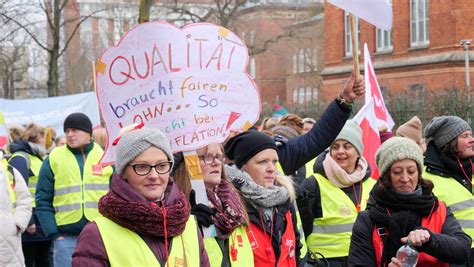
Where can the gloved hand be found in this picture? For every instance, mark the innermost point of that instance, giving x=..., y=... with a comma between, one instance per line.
x=202, y=212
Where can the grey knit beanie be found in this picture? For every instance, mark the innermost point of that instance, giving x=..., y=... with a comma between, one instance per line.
x=133, y=143
x=444, y=129
x=395, y=149
x=352, y=133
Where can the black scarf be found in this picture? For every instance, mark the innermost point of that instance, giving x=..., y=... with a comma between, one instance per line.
x=399, y=214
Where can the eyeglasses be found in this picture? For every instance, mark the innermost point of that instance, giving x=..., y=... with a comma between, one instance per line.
x=143, y=169
x=209, y=159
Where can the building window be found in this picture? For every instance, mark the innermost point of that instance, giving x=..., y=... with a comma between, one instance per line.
x=347, y=34
x=309, y=94
x=252, y=68
x=295, y=96
x=307, y=64
x=315, y=59
x=301, y=94
x=419, y=22
x=295, y=64
x=301, y=61
x=384, y=39
x=315, y=94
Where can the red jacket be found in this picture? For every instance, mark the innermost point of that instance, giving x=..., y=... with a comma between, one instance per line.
x=434, y=222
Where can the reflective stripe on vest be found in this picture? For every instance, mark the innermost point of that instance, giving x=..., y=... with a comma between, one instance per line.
x=243, y=255
x=434, y=222
x=263, y=253
x=457, y=198
x=35, y=166
x=331, y=234
x=75, y=196
x=133, y=251
x=10, y=182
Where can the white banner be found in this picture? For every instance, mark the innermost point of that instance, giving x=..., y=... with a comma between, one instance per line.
x=50, y=111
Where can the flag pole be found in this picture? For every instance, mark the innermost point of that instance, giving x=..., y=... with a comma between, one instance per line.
x=355, y=46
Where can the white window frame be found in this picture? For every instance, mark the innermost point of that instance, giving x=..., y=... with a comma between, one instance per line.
x=301, y=61
x=383, y=39
x=419, y=23
x=307, y=61
x=315, y=59
x=252, y=67
x=347, y=34
x=295, y=96
x=315, y=94
x=301, y=94
x=308, y=94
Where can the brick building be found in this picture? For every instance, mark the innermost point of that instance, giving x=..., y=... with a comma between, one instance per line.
x=421, y=54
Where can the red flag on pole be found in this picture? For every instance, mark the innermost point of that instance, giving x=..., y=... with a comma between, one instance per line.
x=372, y=115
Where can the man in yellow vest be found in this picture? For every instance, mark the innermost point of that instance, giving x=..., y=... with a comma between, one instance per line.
x=69, y=188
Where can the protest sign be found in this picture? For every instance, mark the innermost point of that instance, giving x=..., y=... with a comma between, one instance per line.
x=190, y=82
x=50, y=111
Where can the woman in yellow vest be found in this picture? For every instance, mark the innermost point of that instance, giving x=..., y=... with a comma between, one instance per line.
x=330, y=200
x=230, y=246
x=449, y=165
x=269, y=199
x=146, y=219
x=27, y=156
x=403, y=210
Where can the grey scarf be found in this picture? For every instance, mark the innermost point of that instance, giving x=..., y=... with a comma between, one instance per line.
x=257, y=195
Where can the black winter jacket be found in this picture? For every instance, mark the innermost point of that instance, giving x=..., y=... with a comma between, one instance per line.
x=452, y=245
x=299, y=150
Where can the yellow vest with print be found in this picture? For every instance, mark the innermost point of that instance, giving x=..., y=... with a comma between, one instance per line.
x=11, y=182
x=75, y=196
x=457, y=198
x=331, y=234
x=243, y=250
x=35, y=166
x=133, y=251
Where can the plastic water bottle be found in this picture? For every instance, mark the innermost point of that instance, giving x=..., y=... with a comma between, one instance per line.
x=407, y=255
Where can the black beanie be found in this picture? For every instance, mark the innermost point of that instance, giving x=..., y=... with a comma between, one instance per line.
x=241, y=148
x=78, y=121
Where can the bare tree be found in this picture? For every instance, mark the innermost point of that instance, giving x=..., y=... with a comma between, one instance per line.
x=13, y=66
x=58, y=39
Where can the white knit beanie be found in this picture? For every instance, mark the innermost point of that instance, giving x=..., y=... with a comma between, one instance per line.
x=395, y=149
x=352, y=133
x=133, y=143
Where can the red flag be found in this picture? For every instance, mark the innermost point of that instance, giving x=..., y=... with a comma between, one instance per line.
x=370, y=135
x=372, y=115
x=373, y=93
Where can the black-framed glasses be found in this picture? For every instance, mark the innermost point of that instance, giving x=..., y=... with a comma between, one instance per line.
x=143, y=169
x=209, y=159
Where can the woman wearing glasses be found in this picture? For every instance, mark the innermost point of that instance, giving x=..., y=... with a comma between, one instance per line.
x=230, y=246
x=146, y=219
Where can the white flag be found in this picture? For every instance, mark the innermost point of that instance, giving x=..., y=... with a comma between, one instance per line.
x=376, y=12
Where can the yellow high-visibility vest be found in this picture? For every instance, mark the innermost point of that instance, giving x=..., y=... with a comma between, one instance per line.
x=457, y=198
x=10, y=182
x=242, y=249
x=332, y=233
x=76, y=195
x=35, y=166
x=304, y=248
x=131, y=250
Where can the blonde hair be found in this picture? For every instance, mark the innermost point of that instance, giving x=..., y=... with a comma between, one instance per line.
x=100, y=136
x=33, y=133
